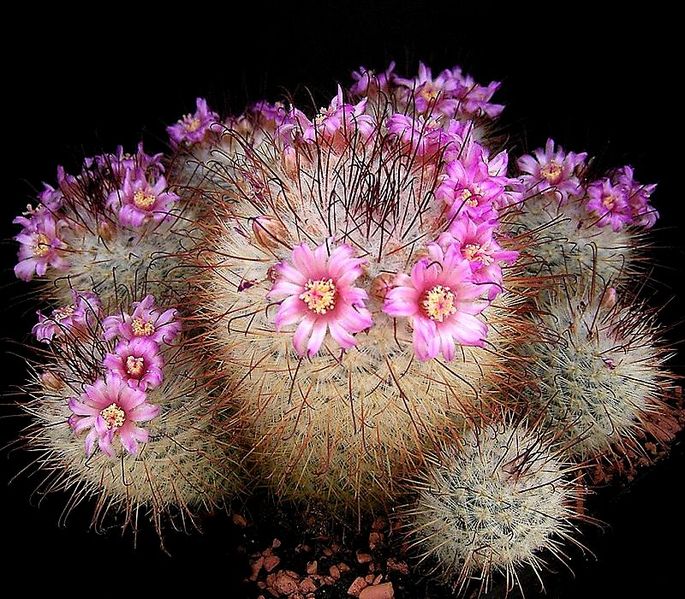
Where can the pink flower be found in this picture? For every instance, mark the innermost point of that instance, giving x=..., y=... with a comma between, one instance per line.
x=111, y=409
x=427, y=137
x=78, y=317
x=341, y=123
x=441, y=302
x=138, y=362
x=477, y=244
x=193, y=128
x=642, y=212
x=290, y=130
x=469, y=188
x=317, y=293
x=140, y=202
x=368, y=82
x=552, y=171
x=121, y=163
x=610, y=203
x=40, y=246
x=451, y=93
x=146, y=322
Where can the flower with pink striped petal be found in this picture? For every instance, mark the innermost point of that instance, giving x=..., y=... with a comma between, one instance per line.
x=638, y=195
x=137, y=362
x=111, y=409
x=41, y=246
x=145, y=322
x=76, y=318
x=477, y=244
x=609, y=203
x=193, y=128
x=139, y=202
x=318, y=293
x=551, y=170
x=441, y=302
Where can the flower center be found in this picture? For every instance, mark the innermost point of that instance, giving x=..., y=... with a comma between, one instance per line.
x=319, y=295
x=114, y=416
x=438, y=303
x=608, y=201
x=141, y=328
x=41, y=245
x=61, y=314
x=191, y=123
x=135, y=366
x=467, y=197
x=429, y=92
x=552, y=171
x=143, y=200
x=474, y=252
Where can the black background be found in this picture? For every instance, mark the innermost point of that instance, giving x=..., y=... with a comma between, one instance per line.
x=606, y=84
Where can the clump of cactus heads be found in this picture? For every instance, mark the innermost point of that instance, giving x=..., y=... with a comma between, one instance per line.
x=114, y=227
x=600, y=370
x=121, y=414
x=578, y=225
x=342, y=365
x=499, y=499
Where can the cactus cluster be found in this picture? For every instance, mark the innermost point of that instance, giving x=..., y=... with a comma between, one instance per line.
x=352, y=306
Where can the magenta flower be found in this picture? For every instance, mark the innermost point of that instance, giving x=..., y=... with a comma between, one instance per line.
x=609, y=203
x=138, y=362
x=140, y=202
x=290, y=130
x=427, y=137
x=477, y=244
x=638, y=195
x=552, y=171
x=451, y=93
x=76, y=318
x=121, y=163
x=340, y=123
x=146, y=322
x=441, y=302
x=41, y=246
x=368, y=82
x=111, y=409
x=317, y=293
x=193, y=128
x=469, y=188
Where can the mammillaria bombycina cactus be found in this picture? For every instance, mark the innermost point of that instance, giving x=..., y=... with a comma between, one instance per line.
x=332, y=303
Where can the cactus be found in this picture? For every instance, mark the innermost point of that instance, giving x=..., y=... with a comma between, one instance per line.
x=499, y=499
x=155, y=445
x=600, y=370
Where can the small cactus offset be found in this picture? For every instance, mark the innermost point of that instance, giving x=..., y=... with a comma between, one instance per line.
x=379, y=306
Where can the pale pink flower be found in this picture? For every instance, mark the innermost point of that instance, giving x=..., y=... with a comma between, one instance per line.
x=145, y=322
x=78, y=317
x=111, y=409
x=441, y=302
x=609, y=203
x=139, y=202
x=193, y=128
x=318, y=293
x=138, y=362
x=41, y=246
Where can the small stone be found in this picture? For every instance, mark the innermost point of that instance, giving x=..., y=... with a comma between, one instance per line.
x=239, y=520
x=357, y=586
x=379, y=523
x=302, y=548
x=378, y=579
x=284, y=582
x=267, y=552
x=276, y=543
x=381, y=591
x=343, y=567
x=334, y=571
x=363, y=558
x=335, y=548
x=312, y=567
x=308, y=586
x=255, y=567
x=261, y=584
x=375, y=539
x=369, y=578
x=271, y=562
x=398, y=566
x=327, y=551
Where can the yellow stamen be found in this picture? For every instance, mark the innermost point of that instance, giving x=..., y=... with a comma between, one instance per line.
x=135, y=366
x=191, y=123
x=61, y=313
x=438, y=303
x=113, y=416
x=467, y=197
x=319, y=295
x=143, y=200
x=608, y=201
x=552, y=171
x=474, y=251
x=141, y=328
x=429, y=93
x=41, y=246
